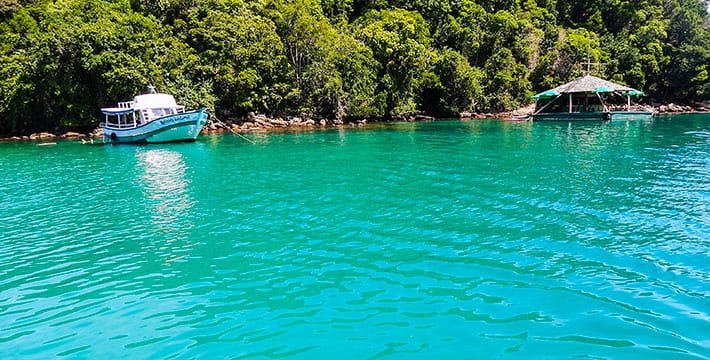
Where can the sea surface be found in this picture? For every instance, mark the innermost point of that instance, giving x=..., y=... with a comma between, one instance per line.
x=437, y=240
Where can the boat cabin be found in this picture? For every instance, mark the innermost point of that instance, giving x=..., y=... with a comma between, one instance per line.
x=142, y=110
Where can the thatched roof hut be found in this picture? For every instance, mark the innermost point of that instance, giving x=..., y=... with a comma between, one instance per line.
x=589, y=84
x=585, y=95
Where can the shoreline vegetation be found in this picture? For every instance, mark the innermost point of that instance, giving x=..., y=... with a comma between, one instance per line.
x=342, y=61
x=262, y=123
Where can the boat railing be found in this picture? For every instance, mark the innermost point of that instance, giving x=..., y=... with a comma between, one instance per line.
x=125, y=104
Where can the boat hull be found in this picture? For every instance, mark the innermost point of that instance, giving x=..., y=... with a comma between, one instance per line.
x=172, y=128
x=594, y=116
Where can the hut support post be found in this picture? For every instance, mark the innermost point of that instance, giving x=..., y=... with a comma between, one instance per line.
x=570, y=102
x=601, y=100
x=628, y=102
x=546, y=105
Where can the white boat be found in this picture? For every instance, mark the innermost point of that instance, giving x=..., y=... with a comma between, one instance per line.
x=151, y=118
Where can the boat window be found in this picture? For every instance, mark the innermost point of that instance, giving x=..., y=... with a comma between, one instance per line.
x=154, y=113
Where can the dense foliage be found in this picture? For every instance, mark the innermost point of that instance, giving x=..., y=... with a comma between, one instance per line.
x=61, y=60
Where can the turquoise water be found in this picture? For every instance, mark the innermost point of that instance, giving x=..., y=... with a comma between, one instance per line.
x=475, y=239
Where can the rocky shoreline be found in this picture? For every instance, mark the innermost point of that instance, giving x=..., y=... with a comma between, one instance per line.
x=254, y=122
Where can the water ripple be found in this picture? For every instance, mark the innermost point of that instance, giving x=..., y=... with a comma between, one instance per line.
x=459, y=239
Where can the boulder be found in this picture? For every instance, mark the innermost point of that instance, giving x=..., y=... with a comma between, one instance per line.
x=261, y=119
x=279, y=122
x=71, y=134
x=674, y=108
x=424, y=118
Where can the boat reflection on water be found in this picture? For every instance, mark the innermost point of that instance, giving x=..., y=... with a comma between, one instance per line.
x=165, y=185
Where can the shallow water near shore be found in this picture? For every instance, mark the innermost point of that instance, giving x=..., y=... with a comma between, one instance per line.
x=460, y=239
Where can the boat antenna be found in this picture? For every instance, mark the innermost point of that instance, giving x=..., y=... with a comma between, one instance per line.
x=151, y=89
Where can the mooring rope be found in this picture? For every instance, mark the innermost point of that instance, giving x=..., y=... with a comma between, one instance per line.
x=230, y=129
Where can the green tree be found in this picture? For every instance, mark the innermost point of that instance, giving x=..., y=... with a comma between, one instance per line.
x=62, y=60
x=243, y=56
x=506, y=85
x=689, y=51
x=455, y=88
x=399, y=40
x=333, y=74
x=17, y=63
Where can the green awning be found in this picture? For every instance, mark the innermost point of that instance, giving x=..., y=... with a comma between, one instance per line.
x=633, y=93
x=545, y=95
x=603, y=89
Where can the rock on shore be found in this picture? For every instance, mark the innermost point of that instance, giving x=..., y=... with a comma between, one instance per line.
x=260, y=122
x=675, y=108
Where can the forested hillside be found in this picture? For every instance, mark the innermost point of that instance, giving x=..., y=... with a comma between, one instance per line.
x=60, y=61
